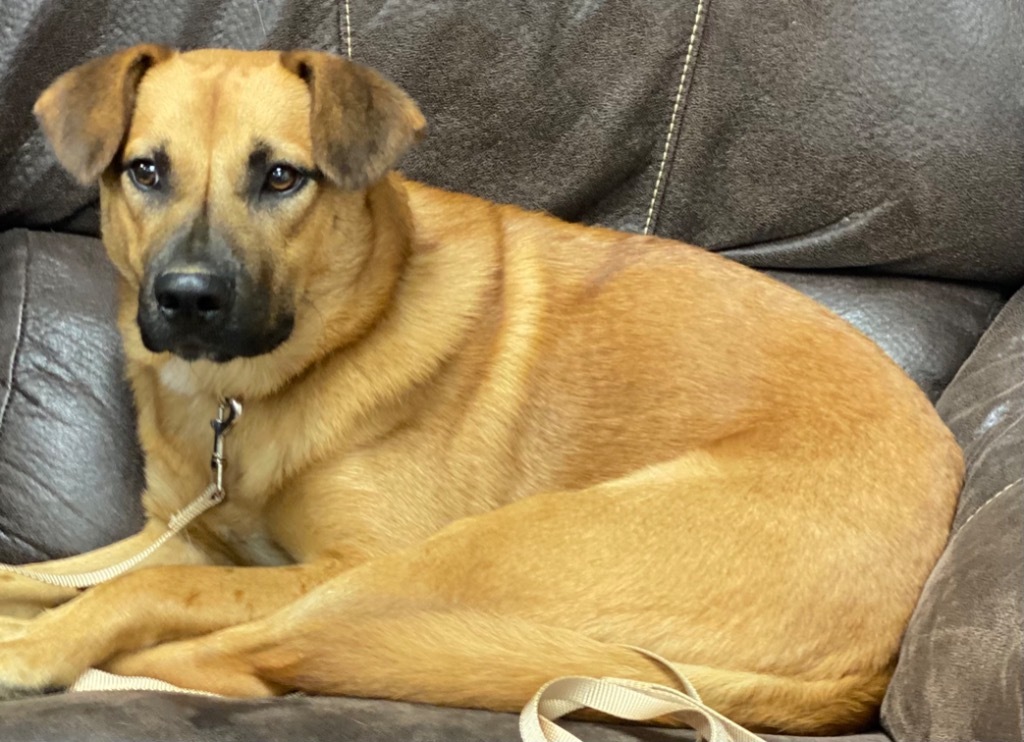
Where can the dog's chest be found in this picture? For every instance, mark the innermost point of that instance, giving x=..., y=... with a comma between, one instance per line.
x=248, y=542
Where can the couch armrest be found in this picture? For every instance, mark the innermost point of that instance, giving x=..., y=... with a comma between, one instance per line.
x=70, y=465
x=960, y=671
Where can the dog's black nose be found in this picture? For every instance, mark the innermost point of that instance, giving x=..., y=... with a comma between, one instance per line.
x=188, y=296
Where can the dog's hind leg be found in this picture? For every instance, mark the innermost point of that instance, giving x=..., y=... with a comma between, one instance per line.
x=470, y=659
x=494, y=606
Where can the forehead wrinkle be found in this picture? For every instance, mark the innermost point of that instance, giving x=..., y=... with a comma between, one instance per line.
x=216, y=94
x=231, y=127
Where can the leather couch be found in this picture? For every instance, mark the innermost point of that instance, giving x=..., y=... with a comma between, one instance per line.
x=870, y=154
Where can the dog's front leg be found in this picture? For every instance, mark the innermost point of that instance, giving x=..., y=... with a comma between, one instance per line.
x=142, y=609
x=24, y=597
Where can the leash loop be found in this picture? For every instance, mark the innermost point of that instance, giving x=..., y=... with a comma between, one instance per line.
x=626, y=699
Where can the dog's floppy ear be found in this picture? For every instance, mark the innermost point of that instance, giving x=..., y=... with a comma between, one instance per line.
x=85, y=112
x=361, y=123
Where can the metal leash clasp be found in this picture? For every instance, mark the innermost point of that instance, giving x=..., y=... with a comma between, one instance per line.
x=228, y=413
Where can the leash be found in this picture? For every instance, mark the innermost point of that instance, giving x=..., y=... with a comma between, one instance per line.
x=228, y=412
x=626, y=699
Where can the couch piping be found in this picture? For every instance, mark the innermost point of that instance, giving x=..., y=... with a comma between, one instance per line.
x=17, y=342
x=985, y=504
x=676, y=108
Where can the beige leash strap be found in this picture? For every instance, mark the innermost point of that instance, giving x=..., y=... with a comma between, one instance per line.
x=99, y=680
x=228, y=413
x=210, y=497
x=625, y=699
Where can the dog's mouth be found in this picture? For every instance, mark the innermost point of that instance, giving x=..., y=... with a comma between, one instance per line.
x=195, y=352
x=216, y=343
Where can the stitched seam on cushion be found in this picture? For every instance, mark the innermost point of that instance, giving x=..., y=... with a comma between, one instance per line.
x=348, y=29
x=985, y=504
x=676, y=108
x=19, y=331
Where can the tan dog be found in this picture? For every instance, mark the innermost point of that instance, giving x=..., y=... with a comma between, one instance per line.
x=481, y=447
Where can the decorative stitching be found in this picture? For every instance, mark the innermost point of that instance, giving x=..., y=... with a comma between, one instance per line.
x=348, y=30
x=17, y=343
x=691, y=47
x=259, y=14
x=988, y=502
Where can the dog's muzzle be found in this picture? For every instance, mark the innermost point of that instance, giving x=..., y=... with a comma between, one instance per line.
x=197, y=311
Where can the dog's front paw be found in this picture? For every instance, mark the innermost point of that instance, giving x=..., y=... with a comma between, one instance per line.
x=26, y=669
x=13, y=693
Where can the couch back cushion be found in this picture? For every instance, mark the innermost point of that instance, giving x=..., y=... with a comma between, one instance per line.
x=879, y=134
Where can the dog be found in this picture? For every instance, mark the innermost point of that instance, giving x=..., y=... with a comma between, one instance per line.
x=481, y=448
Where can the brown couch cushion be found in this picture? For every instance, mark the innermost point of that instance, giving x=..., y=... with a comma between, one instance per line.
x=160, y=717
x=872, y=134
x=960, y=672
x=70, y=467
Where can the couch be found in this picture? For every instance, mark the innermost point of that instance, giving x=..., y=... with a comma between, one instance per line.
x=870, y=154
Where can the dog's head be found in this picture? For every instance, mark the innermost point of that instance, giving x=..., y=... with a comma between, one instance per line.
x=233, y=185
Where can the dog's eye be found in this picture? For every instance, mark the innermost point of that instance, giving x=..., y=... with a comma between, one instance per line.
x=283, y=179
x=144, y=174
